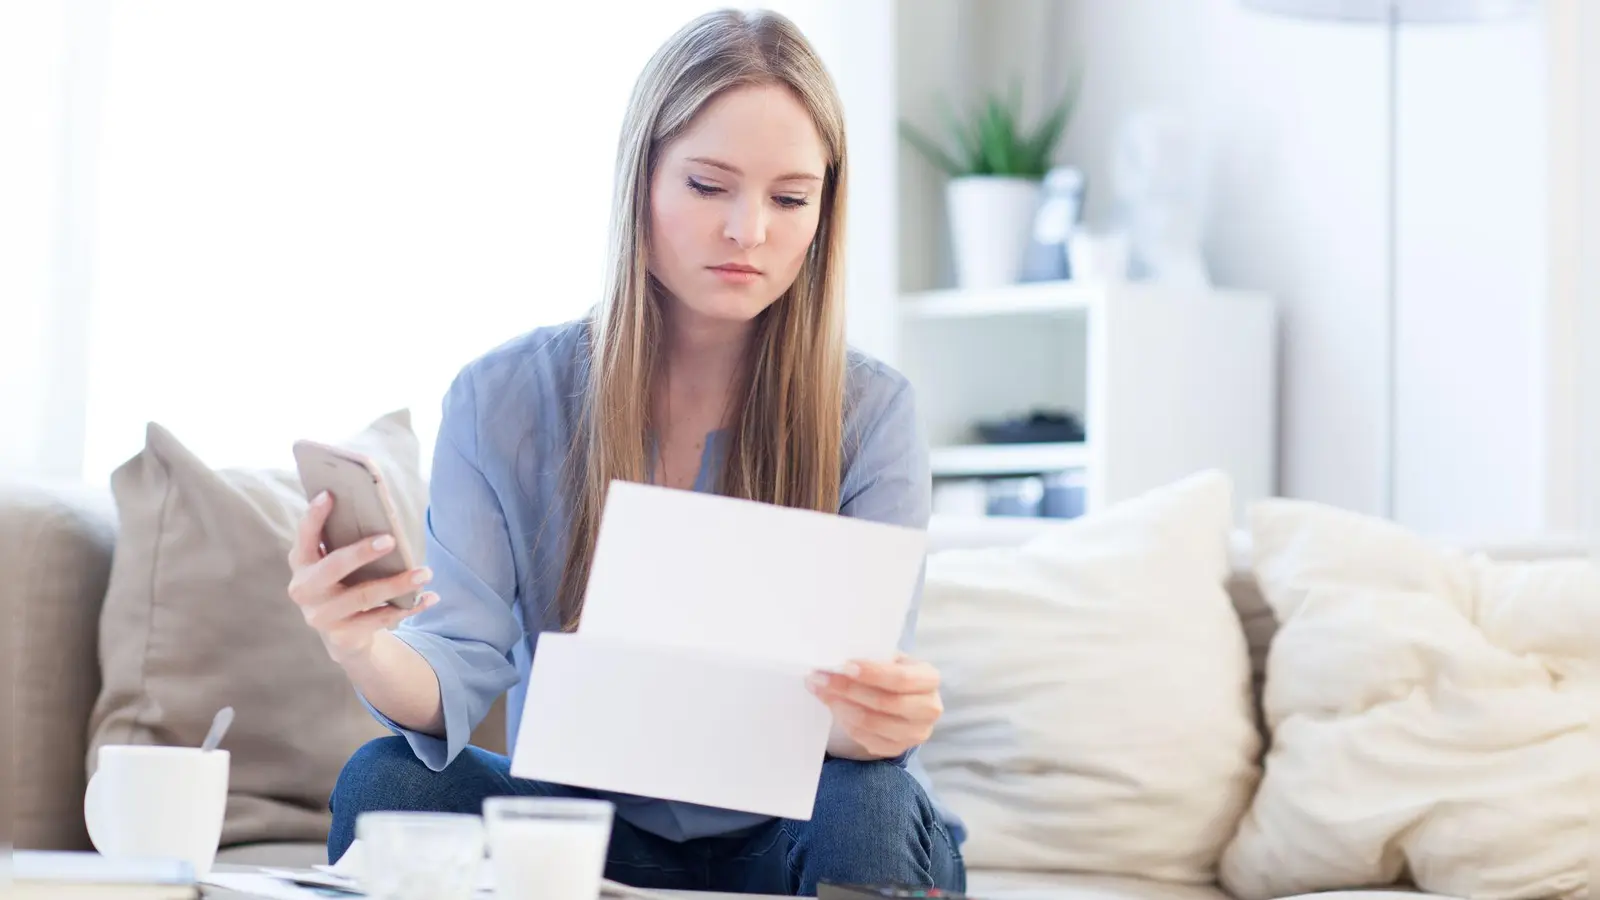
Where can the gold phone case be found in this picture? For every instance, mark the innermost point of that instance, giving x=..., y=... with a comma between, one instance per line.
x=362, y=509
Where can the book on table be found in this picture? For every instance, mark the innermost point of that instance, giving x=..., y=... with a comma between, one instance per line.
x=68, y=875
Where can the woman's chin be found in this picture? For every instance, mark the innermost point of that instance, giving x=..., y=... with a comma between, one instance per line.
x=732, y=306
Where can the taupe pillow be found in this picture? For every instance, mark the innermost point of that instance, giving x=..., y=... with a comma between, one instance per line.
x=197, y=617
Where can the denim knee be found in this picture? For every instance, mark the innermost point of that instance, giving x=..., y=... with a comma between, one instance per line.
x=872, y=823
x=871, y=798
x=384, y=774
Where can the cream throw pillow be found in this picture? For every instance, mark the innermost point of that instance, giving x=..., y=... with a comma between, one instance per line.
x=1097, y=689
x=198, y=617
x=1434, y=714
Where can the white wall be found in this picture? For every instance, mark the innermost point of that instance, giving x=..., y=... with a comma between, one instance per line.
x=1578, y=119
x=1295, y=124
x=1474, y=288
x=856, y=41
x=932, y=66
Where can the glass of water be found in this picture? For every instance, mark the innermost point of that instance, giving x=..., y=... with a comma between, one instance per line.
x=549, y=848
x=420, y=856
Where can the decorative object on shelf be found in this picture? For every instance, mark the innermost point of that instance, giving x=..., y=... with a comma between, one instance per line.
x=961, y=497
x=995, y=175
x=1060, y=209
x=1038, y=427
x=1016, y=496
x=1391, y=14
x=1098, y=255
x=1065, y=495
x=1157, y=179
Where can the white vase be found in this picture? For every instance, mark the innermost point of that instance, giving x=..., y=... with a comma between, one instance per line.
x=991, y=218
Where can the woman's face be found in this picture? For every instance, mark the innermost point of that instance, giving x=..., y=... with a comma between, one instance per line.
x=734, y=203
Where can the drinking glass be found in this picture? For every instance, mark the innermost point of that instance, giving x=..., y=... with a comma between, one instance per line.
x=420, y=856
x=549, y=848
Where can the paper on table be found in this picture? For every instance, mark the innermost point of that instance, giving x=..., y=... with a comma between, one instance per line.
x=704, y=614
x=264, y=886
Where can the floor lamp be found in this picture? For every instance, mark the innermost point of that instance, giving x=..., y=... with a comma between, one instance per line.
x=1391, y=15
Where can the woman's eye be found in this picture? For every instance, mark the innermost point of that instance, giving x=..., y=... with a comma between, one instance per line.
x=704, y=190
x=791, y=202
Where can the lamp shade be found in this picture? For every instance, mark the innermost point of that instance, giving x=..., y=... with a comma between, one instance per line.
x=1418, y=11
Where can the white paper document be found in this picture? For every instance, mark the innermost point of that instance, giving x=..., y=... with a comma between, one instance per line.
x=704, y=615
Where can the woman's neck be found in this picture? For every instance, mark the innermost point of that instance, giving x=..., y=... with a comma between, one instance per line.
x=702, y=359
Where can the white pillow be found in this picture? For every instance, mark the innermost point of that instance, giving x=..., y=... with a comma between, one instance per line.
x=1433, y=714
x=1097, y=691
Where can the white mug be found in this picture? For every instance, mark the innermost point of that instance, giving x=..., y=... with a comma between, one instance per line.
x=158, y=801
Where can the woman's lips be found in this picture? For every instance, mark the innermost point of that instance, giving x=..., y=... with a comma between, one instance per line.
x=733, y=273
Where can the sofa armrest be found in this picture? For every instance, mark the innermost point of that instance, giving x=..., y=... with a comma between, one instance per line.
x=55, y=551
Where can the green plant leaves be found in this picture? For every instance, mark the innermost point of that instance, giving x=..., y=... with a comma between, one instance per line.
x=991, y=140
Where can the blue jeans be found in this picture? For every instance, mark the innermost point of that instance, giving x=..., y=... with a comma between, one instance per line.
x=872, y=824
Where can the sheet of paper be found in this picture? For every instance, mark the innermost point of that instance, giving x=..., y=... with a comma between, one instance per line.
x=703, y=617
x=269, y=887
x=709, y=573
x=662, y=722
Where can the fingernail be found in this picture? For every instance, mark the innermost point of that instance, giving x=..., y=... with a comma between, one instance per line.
x=321, y=499
x=817, y=681
x=421, y=575
x=430, y=599
x=384, y=542
x=850, y=670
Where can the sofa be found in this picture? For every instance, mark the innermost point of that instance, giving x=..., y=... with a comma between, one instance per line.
x=56, y=548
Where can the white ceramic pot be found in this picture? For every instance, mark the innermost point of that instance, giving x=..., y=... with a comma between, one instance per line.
x=991, y=219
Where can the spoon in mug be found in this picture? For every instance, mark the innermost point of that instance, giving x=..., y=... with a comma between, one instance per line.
x=219, y=727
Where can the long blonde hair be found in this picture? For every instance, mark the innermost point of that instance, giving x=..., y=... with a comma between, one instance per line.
x=788, y=419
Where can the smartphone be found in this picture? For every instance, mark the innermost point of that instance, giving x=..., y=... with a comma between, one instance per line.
x=362, y=509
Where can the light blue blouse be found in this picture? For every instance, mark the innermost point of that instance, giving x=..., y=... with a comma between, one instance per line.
x=498, y=521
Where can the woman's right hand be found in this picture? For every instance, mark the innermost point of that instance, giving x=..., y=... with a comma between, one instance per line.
x=347, y=618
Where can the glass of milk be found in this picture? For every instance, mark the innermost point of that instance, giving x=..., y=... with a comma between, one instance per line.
x=549, y=848
x=419, y=856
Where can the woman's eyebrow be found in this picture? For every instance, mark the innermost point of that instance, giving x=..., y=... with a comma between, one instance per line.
x=734, y=170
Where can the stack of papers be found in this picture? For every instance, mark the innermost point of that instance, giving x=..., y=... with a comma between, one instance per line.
x=703, y=618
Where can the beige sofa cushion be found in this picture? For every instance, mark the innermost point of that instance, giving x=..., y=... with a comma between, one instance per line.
x=1434, y=712
x=1097, y=687
x=55, y=551
x=197, y=616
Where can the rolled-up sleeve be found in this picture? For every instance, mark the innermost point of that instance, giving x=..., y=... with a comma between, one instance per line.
x=468, y=636
x=890, y=481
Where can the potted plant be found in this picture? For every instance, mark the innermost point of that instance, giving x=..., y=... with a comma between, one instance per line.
x=995, y=168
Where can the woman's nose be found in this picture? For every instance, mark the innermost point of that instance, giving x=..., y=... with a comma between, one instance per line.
x=746, y=224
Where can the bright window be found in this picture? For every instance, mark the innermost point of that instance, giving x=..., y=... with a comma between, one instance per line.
x=311, y=213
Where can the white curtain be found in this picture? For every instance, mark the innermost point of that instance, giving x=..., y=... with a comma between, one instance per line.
x=285, y=219
x=31, y=66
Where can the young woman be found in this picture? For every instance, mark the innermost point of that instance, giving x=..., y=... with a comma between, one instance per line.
x=715, y=362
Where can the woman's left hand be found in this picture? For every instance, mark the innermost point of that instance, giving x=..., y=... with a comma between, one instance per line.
x=885, y=708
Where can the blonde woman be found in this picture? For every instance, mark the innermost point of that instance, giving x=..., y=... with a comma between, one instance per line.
x=715, y=362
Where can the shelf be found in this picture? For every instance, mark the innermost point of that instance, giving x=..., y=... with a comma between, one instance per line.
x=1040, y=298
x=1007, y=459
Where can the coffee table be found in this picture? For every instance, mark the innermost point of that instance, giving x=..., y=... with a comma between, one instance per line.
x=217, y=893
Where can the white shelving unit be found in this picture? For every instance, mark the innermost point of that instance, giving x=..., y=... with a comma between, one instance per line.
x=1166, y=381
x=1007, y=459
